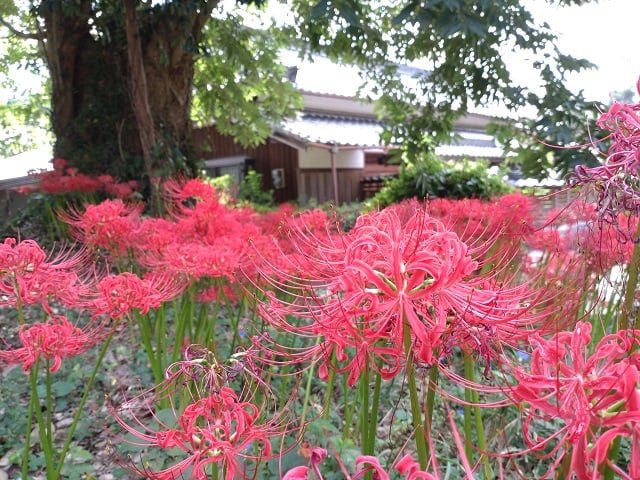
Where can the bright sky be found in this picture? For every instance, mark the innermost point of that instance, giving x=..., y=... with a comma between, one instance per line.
x=605, y=33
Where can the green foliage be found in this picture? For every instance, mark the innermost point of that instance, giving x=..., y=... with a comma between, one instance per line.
x=14, y=419
x=24, y=112
x=224, y=184
x=347, y=214
x=38, y=219
x=240, y=81
x=344, y=214
x=547, y=143
x=252, y=191
x=430, y=177
x=460, y=45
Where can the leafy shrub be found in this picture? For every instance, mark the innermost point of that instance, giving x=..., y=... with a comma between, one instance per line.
x=252, y=191
x=347, y=215
x=432, y=177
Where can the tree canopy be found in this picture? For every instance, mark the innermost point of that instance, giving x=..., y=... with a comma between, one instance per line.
x=127, y=78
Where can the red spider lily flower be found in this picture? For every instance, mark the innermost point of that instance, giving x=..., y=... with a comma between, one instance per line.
x=217, y=427
x=59, y=164
x=409, y=467
x=119, y=294
x=25, y=190
x=153, y=236
x=28, y=276
x=121, y=190
x=616, y=180
x=53, y=340
x=203, y=237
x=625, y=424
x=397, y=269
x=65, y=179
x=503, y=221
x=59, y=182
x=297, y=473
x=576, y=230
x=365, y=464
x=195, y=260
x=110, y=225
x=369, y=463
x=564, y=382
x=177, y=191
x=315, y=456
x=216, y=293
x=208, y=221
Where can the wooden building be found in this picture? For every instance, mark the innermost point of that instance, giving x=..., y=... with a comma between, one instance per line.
x=330, y=152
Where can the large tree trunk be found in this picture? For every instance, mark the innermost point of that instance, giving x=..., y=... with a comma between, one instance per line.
x=93, y=114
x=138, y=87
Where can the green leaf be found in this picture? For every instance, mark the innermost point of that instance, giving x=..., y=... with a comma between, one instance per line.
x=62, y=388
x=476, y=27
x=349, y=11
x=78, y=453
x=166, y=416
x=405, y=13
x=319, y=10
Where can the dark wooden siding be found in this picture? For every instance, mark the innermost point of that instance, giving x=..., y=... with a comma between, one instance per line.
x=272, y=154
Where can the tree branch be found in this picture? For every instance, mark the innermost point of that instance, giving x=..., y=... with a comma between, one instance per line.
x=18, y=33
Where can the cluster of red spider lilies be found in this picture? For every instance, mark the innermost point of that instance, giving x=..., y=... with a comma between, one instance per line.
x=256, y=326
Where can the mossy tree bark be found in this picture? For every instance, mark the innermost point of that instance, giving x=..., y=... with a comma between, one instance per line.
x=106, y=116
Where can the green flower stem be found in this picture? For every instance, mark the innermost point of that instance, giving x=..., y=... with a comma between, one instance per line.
x=19, y=307
x=53, y=220
x=431, y=401
x=146, y=335
x=632, y=284
x=373, y=418
x=184, y=316
x=477, y=415
x=32, y=401
x=329, y=394
x=563, y=468
x=349, y=408
x=160, y=328
x=43, y=429
x=604, y=321
x=468, y=449
x=365, y=420
x=80, y=409
x=612, y=455
x=203, y=330
x=234, y=320
x=49, y=405
x=307, y=392
x=422, y=447
x=27, y=441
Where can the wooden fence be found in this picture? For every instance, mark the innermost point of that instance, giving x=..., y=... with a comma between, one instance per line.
x=317, y=184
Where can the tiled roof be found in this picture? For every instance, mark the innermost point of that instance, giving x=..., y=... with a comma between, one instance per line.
x=345, y=131
x=473, y=145
x=334, y=130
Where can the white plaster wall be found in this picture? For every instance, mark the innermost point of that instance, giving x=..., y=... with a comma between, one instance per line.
x=315, y=157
